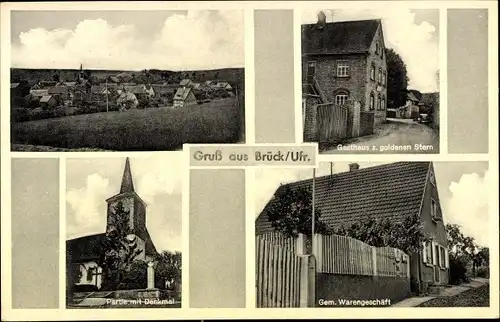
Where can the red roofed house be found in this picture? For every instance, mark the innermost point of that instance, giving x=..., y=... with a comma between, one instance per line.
x=345, y=62
x=87, y=252
x=391, y=191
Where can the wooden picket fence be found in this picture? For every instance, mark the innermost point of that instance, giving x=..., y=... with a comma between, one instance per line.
x=332, y=123
x=344, y=255
x=276, y=238
x=278, y=273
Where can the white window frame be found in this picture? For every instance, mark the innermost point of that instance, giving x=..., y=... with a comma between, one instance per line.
x=442, y=257
x=373, y=72
x=434, y=209
x=435, y=255
x=342, y=97
x=382, y=104
x=380, y=76
x=427, y=252
x=343, y=69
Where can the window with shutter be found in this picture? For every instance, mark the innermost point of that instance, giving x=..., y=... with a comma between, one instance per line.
x=447, y=259
x=435, y=253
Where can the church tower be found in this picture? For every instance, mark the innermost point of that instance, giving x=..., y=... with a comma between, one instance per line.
x=132, y=203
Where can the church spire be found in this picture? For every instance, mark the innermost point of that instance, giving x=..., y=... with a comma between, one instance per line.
x=127, y=183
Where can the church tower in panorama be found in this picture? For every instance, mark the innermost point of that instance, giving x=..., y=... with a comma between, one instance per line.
x=135, y=208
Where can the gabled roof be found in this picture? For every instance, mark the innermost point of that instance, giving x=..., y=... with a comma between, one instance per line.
x=90, y=248
x=85, y=248
x=45, y=98
x=182, y=93
x=39, y=92
x=136, y=89
x=412, y=97
x=58, y=90
x=392, y=191
x=345, y=37
x=165, y=89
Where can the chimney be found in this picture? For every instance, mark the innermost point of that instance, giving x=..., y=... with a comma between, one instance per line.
x=321, y=20
x=353, y=167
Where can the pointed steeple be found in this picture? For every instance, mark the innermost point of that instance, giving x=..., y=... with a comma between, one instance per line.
x=127, y=182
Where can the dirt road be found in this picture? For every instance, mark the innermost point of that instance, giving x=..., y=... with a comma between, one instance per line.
x=396, y=136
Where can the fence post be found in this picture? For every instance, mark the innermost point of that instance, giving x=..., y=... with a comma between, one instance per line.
x=318, y=250
x=300, y=246
x=374, y=260
x=407, y=266
x=307, y=281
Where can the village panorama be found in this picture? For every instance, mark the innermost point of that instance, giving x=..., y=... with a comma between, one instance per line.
x=86, y=109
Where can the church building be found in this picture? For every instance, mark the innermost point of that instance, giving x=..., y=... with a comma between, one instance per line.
x=87, y=252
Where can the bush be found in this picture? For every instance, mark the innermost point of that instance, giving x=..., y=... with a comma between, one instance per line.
x=59, y=111
x=458, y=270
x=136, y=277
x=20, y=115
x=483, y=271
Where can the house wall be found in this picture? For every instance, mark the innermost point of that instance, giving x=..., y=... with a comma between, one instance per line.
x=437, y=232
x=372, y=85
x=86, y=277
x=358, y=287
x=326, y=75
x=190, y=99
x=310, y=122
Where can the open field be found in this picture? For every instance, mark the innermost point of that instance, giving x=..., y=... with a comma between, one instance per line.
x=135, y=130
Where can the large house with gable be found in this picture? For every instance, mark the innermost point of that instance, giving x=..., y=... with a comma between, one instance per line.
x=344, y=63
x=392, y=191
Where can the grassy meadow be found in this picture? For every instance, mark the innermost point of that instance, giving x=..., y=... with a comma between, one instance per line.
x=135, y=130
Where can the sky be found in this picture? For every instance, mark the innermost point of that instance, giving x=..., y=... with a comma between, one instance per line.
x=157, y=180
x=462, y=188
x=128, y=40
x=413, y=34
